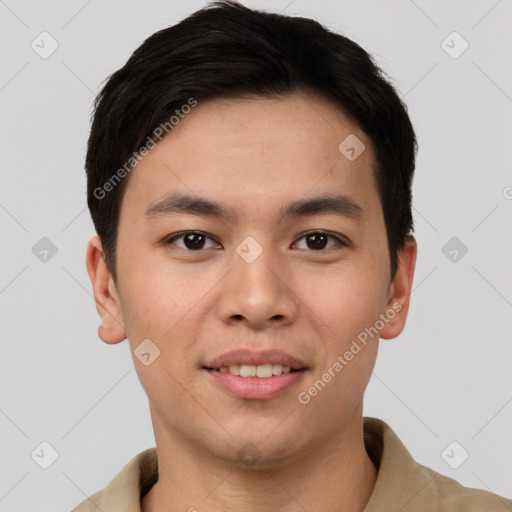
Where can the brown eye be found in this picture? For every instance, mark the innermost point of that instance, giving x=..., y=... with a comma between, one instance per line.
x=317, y=241
x=191, y=240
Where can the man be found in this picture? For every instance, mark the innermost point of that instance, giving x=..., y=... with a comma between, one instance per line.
x=249, y=177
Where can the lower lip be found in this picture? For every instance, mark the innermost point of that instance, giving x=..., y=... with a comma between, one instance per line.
x=255, y=388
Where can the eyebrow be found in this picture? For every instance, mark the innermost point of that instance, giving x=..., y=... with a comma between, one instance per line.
x=340, y=205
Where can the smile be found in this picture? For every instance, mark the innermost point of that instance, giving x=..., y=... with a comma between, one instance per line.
x=255, y=375
x=243, y=381
x=262, y=371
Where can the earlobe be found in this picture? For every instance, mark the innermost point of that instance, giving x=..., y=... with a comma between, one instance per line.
x=399, y=296
x=112, y=328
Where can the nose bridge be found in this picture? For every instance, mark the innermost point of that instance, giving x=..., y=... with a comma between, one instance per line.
x=256, y=289
x=253, y=271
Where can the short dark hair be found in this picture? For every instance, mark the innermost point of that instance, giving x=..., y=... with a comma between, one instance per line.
x=227, y=50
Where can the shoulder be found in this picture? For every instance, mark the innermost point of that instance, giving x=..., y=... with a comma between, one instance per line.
x=451, y=496
x=123, y=492
x=406, y=485
x=91, y=503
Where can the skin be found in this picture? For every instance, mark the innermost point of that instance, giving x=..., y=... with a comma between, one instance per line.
x=254, y=155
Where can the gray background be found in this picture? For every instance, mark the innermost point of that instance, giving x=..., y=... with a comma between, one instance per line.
x=446, y=378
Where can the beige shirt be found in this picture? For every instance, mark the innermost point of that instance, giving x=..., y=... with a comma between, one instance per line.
x=402, y=484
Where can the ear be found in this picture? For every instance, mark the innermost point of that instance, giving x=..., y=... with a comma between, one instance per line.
x=112, y=328
x=399, y=296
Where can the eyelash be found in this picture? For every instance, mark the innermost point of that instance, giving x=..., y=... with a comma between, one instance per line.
x=339, y=241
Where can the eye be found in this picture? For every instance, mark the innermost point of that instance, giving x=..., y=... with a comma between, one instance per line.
x=192, y=240
x=318, y=240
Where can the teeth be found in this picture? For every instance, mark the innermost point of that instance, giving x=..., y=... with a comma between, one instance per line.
x=248, y=371
x=277, y=369
x=263, y=371
x=234, y=370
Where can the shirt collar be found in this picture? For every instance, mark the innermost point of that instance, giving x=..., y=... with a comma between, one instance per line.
x=391, y=492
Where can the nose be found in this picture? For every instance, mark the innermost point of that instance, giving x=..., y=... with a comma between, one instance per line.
x=258, y=293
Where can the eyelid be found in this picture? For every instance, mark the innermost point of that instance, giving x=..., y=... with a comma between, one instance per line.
x=341, y=241
x=169, y=240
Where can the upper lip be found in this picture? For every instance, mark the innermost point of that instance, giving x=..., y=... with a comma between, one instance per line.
x=250, y=357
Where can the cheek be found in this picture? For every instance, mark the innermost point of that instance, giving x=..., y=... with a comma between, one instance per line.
x=161, y=309
x=165, y=304
x=151, y=295
x=349, y=307
x=347, y=299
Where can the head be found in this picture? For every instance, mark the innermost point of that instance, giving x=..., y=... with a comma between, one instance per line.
x=251, y=189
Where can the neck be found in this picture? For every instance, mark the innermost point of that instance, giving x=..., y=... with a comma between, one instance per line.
x=334, y=475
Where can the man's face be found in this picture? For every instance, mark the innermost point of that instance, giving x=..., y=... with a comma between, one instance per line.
x=307, y=283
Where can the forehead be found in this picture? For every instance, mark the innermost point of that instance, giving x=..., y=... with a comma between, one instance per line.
x=255, y=152
x=303, y=122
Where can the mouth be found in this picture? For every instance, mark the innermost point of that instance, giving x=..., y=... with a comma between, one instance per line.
x=255, y=375
x=262, y=371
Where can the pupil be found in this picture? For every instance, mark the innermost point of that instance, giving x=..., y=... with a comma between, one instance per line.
x=194, y=240
x=317, y=241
